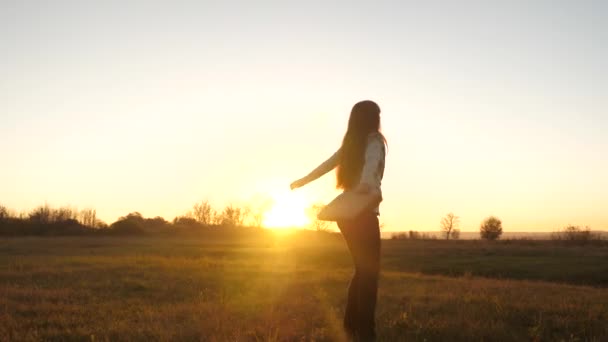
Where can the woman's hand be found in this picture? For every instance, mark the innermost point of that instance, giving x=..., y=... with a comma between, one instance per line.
x=298, y=184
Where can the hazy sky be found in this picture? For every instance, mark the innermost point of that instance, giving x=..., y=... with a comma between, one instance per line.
x=489, y=107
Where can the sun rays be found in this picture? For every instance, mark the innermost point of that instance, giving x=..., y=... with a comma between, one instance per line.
x=288, y=211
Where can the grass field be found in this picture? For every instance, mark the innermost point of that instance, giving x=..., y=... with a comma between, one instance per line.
x=273, y=287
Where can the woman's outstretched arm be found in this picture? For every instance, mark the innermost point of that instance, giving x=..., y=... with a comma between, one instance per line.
x=322, y=169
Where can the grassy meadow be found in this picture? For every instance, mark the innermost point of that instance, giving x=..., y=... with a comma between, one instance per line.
x=264, y=286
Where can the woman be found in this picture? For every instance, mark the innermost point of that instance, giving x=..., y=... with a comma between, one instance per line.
x=360, y=167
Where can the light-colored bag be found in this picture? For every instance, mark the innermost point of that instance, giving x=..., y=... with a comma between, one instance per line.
x=349, y=205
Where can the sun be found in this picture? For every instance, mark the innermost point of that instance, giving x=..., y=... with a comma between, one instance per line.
x=288, y=211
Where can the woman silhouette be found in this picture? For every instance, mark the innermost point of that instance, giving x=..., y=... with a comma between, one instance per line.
x=360, y=168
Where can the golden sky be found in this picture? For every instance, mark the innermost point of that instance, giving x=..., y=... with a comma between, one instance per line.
x=488, y=109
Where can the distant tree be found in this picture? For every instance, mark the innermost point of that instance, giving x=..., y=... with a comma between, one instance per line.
x=455, y=234
x=203, y=213
x=99, y=224
x=156, y=224
x=217, y=218
x=134, y=216
x=41, y=215
x=88, y=217
x=576, y=234
x=133, y=223
x=245, y=215
x=232, y=216
x=316, y=224
x=64, y=214
x=413, y=235
x=399, y=236
x=4, y=213
x=409, y=235
x=448, y=224
x=491, y=228
x=185, y=221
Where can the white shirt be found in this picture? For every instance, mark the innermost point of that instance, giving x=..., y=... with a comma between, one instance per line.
x=373, y=167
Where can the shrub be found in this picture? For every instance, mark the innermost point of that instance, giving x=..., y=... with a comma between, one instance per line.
x=413, y=235
x=130, y=224
x=491, y=228
x=575, y=234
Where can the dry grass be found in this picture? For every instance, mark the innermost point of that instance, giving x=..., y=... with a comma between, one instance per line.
x=266, y=288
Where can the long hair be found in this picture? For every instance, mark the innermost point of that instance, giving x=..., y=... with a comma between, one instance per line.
x=364, y=120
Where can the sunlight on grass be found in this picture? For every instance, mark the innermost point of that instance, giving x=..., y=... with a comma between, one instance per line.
x=292, y=287
x=288, y=211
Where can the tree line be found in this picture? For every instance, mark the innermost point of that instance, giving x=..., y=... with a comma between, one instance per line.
x=46, y=220
x=491, y=229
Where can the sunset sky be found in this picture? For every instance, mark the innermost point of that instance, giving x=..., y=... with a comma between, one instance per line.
x=489, y=107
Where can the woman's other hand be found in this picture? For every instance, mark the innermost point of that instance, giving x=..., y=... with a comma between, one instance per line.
x=298, y=184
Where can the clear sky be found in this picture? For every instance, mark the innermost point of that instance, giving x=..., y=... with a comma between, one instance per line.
x=490, y=107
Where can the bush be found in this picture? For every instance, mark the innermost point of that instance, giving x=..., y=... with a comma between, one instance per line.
x=575, y=234
x=413, y=235
x=130, y=224
x=127, y=227
x=185, y=221
x=491, y=228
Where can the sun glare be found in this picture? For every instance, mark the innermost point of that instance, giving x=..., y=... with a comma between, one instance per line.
x=288, y=211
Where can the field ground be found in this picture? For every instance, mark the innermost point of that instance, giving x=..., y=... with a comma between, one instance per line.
x=273, y=287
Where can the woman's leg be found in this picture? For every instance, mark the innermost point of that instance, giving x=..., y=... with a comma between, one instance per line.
x=351, y=313
x=363, y=239
x=368, y=269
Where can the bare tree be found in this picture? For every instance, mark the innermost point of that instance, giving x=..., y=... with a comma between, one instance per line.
x=88, y=217
x=217, y=218
x=203, y=213
x=232, y=216
x=491, y=228
x=64, y=214
x=448, y=224
x=4, y=213
x=41, y=214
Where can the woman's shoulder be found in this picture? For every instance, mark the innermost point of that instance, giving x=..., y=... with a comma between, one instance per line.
x=376, y=137
x=376, y=134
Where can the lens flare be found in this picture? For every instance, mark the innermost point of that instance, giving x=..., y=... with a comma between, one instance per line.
x=288, y=211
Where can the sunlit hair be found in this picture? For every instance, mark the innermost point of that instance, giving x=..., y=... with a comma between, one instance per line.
x=364, y=120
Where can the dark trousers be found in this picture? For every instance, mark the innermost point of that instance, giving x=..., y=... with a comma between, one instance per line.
x=362, y=236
